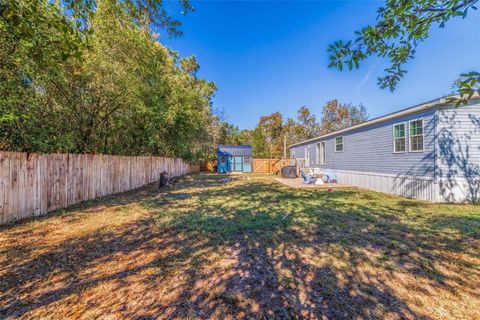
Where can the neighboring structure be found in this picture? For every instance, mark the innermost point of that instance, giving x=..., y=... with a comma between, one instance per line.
x=430, y=152
x=234, y=158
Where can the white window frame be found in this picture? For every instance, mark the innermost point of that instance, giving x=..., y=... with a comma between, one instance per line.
x=417, y=135
x=323, y=158
x=307, y=157
x=321, y=150
x=404, y=137
x=343, y=143
x=317, y=146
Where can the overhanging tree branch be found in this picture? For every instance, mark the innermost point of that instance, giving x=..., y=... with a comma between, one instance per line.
x=401, y=26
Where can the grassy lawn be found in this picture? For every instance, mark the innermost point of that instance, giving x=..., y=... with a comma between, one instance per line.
x=249, y=248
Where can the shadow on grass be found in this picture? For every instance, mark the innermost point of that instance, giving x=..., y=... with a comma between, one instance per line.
x=216, y=249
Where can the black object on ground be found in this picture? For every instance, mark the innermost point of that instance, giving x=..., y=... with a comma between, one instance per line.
x=163, y=180
x=289, y=172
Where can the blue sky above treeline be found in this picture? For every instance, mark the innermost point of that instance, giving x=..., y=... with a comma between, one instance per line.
x=268, y=56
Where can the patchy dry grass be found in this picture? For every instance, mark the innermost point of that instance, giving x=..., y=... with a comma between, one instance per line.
x=244, y=249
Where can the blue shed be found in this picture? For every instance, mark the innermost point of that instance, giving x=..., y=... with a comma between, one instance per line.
x=234, y=158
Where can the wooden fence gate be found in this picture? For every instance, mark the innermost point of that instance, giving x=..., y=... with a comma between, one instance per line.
x=270, y=165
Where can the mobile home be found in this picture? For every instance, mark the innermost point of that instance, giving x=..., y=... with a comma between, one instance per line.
x=430, y=151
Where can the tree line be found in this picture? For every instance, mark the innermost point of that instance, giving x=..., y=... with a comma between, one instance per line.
x=273, y=132
x=92, y=77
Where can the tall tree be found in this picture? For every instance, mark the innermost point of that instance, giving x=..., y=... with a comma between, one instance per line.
x=357, y=114
x=337, y=116
x=401, y=26
x=245, y=136
x=75, y=17
x=260, y=148
x=126, y=94
x=304, y=127
x=308, y=122
x=229, y=134
x=272, y=129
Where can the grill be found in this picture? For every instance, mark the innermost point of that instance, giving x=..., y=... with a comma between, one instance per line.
x=289, y=172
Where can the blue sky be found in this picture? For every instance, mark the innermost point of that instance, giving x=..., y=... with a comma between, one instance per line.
x=268, y=56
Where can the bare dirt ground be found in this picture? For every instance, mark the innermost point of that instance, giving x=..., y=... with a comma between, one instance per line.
x=210, y=248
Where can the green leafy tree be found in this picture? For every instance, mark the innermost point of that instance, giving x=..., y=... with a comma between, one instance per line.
x=294, y=132
x=35, y=37
x=245, y=136
x=308, y=122
x=401, y=26
x=125, y=94
x=74, y=20
x=337, y=116
x=229, y=134
x=272, y=130
x=357, y=114
x=260, y=148
x=304, y=127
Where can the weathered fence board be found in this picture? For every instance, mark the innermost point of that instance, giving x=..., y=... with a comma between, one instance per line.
x=207, y=166
x=34, y=184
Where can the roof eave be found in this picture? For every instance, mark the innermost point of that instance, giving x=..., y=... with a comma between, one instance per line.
x=397, y=114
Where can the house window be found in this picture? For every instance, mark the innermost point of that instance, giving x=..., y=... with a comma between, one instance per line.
x=416, y=135
x=222, y=160
x=338, y=144
x=293, y=154
x=307, y=157
x=321, y=153
x=399, y=138
x=247, y=160
x=318, y=153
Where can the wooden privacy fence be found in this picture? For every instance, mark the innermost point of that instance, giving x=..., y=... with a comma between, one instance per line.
x=207, y=165
x=34, y=184
x=270, y=165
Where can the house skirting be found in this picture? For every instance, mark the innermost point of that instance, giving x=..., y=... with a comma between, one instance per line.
x=417, y=187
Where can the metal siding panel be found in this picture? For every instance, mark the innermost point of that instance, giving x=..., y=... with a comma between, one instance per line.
x=299, y=151
x=459, y=152
x=370, y=149
x=235, y=150
x=410, y=187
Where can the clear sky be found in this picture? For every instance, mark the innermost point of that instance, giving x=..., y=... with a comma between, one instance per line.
x=268, y=56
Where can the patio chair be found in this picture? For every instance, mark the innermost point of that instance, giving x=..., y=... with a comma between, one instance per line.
x=329, y=176
x=306, y=178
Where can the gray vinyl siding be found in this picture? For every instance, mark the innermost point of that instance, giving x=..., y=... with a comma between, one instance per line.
x=297, y=152
x=370, y=149
x=458, y=152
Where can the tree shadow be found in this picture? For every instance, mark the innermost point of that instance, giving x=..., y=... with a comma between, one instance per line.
x=454, y=166
x=459, y=170
x=216, y=249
